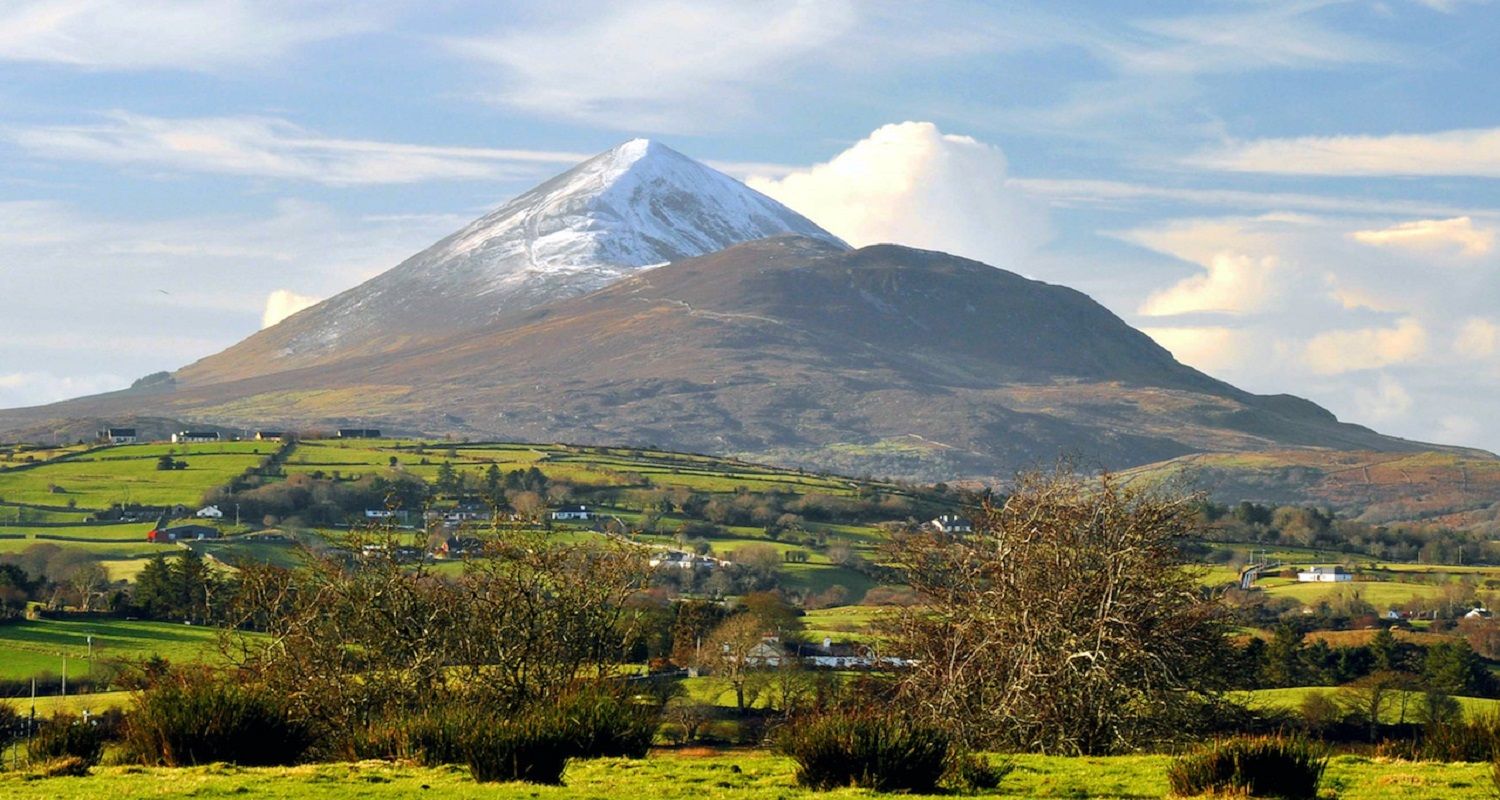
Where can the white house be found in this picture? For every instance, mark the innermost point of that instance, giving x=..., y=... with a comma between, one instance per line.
x=210, y=512
x=120, y=435
x=573, y=512
x=1478, y=613
x=952, y=523
x=181, y=437
x=681, y=560
x=1325, y=575
x=378, y=513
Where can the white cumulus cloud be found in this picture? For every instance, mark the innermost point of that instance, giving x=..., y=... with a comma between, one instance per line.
x=1209, y=348
x=1386, y=400
x=1233, y=283
x=283, y=303
x=1339, y=351
x=911, y=184
x=1478, y=338
x=1432, y=234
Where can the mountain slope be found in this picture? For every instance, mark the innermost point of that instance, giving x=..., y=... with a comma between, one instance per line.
x=885, y=360
x=637, y=205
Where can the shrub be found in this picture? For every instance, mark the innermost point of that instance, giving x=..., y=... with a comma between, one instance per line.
x=603, y=724
x=868, y=750
x=1474, y=740
x=531, y=746
x=1271, y=766
x=198, y=718
x=10, y=724
x=975, y=773
x=67, y=737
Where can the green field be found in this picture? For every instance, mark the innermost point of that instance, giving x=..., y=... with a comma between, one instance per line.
x=1291, y=700
x=1381, y=594
x=728, y=775
x=34, y=647
x=128, y=474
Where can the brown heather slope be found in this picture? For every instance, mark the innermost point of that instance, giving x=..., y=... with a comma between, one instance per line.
x=885, y=360
x=1458, y=488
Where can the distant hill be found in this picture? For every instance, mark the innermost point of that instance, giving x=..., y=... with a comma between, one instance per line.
x=794, y=350
x=1456, y=488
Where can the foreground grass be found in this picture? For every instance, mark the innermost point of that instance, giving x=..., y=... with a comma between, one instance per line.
x=752, y=775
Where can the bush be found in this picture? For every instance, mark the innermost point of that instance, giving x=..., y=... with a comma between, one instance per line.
x=532, y=746
x=1473, y=740
x=10, y=724
x=976, y=774
x=68, y=737
x=193, y=718
x=604, y=724
x=1252, y=767
x=868, y=750
x=433, y=737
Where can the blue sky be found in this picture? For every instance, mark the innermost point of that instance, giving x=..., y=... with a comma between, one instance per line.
x=1294, y=196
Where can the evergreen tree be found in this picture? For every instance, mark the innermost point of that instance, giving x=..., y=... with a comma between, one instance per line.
x=192, y=582
x=155, y=594
x=448, y=482
x=1283, y=666
x=1384, y=651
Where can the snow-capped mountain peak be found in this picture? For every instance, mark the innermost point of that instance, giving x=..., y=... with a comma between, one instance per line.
x=637, y=205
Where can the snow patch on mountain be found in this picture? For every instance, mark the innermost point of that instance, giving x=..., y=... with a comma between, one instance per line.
x=636, y=206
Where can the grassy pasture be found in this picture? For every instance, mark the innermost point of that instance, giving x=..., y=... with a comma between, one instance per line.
x=32, y=647
x=695, y=775
x=128, y=474
x=1291, y=700
x=1381, y=594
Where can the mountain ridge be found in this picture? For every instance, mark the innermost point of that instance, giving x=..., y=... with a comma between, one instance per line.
x=882, y=360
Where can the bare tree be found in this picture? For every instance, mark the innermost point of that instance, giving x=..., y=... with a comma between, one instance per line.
x=731, y=653
x=1066, y=622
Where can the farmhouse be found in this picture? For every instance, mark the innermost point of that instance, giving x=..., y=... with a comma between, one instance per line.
x=270, y=436
x=195, y=436
x=573, y=512
x=118, y=435
x=459, y=546
x=680, y=560
x=952, y=523
x=1333, y=574
x=209, y=512
x=181, y=533
x=359, y=433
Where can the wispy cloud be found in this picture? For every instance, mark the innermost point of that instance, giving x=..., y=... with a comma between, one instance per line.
x=656, y=65
x=171, y=34
x=35, y=388
x=266, y=147
x=1112, y=194
x=1467, y=153
x=1458, y=233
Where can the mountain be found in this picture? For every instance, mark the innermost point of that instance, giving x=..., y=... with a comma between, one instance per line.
x=637, y=205
x=794, y=350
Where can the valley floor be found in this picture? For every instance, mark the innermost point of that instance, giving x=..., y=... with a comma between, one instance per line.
x=740, y=774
